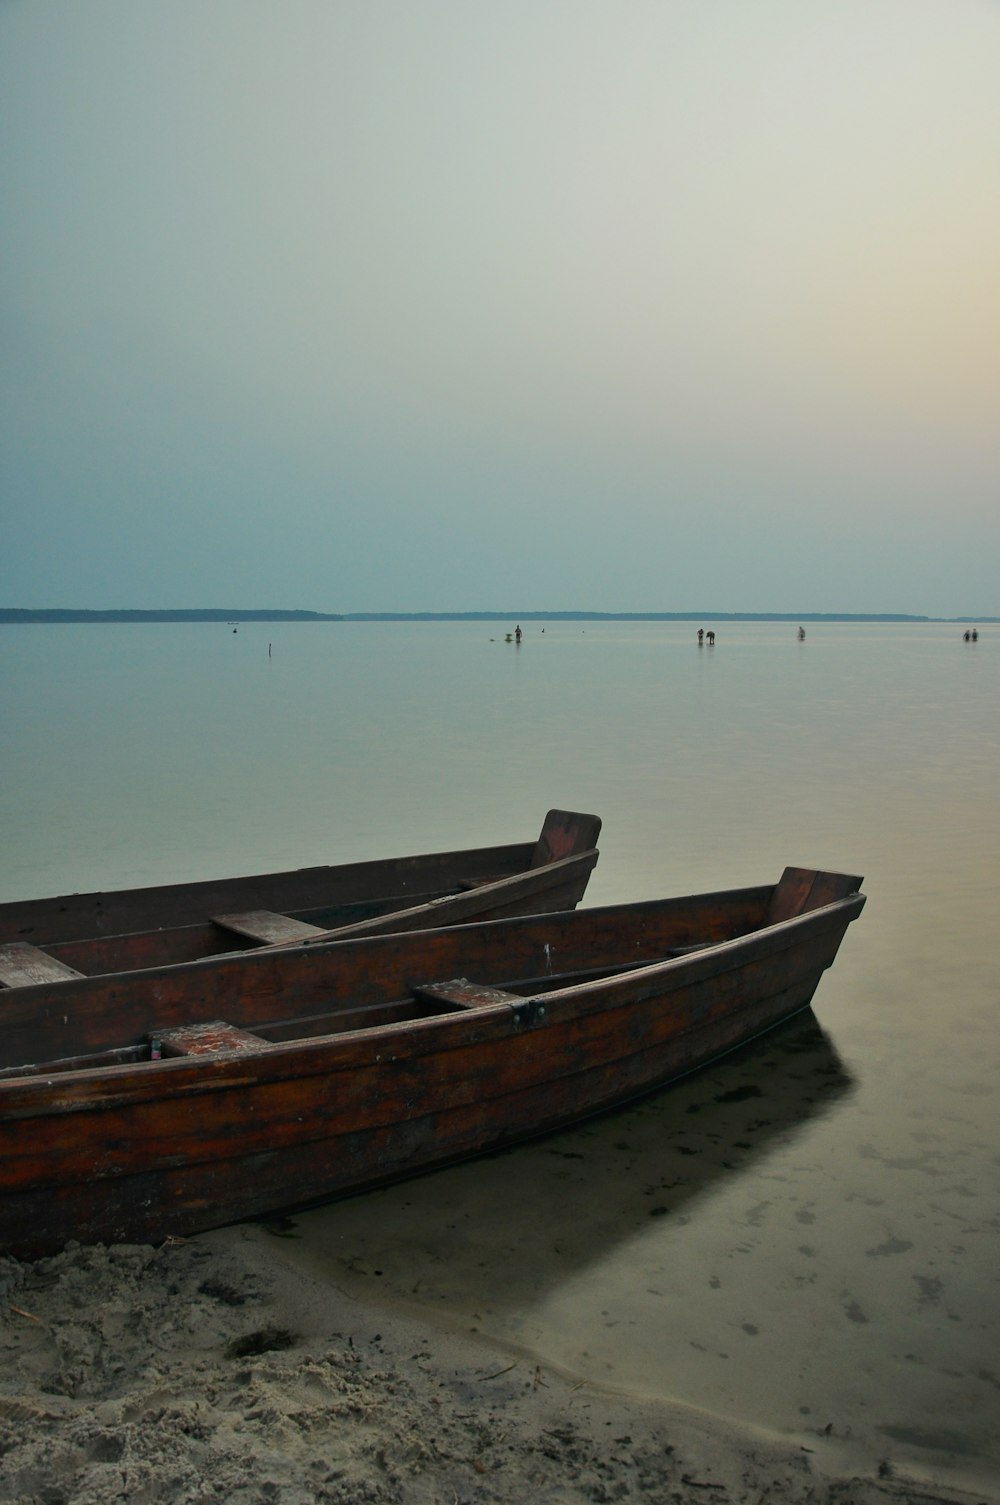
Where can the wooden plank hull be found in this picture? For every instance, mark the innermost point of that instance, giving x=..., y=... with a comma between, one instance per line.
x=353, y=1072
x=123, y=931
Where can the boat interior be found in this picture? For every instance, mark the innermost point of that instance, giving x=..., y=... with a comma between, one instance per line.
x=310, y=993
x=23, y=961
x=426, y=1001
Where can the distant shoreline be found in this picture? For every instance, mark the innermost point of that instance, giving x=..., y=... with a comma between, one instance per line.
x=13, y=615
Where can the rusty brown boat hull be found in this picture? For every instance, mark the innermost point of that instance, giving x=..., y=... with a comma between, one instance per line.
x=99, y=933
x=287, y=1078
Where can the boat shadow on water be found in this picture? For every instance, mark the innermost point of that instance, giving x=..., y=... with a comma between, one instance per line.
x=525, y=1219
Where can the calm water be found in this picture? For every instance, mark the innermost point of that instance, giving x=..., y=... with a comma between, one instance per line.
x=803, y=1237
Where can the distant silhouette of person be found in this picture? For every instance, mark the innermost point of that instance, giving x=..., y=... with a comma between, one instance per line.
x=701, y=636
x=517, y=634
x=710, y=635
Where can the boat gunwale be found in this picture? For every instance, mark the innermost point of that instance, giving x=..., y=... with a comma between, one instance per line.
x=515, y=853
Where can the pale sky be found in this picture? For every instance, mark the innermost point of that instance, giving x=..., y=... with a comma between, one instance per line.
x=405, y=305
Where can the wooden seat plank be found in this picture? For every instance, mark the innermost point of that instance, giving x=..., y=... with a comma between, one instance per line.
x=206, y=1039
x=22, y=964
x=463, y=993
x=266, y=926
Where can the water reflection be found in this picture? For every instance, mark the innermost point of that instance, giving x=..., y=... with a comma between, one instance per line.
x=502, y=1231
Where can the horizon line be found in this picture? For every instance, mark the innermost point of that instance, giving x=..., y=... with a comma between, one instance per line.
x=41, y=615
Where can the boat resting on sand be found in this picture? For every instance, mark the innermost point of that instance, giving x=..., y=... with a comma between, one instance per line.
x=46, y=940
x=178, y=1099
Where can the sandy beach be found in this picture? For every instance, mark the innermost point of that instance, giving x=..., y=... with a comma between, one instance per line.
x=213, y=1369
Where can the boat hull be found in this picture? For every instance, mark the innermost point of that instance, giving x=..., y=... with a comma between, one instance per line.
x=100, y=933
x=150, y=1149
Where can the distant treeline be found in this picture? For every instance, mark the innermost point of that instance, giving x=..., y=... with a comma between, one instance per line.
x=213, y=614
x=204, y=614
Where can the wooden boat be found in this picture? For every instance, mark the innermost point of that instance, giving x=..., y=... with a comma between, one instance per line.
x=180, y=1098
x=46, y=940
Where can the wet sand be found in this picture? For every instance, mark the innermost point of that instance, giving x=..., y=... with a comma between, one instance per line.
x=218, y=1369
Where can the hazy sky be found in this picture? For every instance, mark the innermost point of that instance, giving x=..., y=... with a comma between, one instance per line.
x=361, y=305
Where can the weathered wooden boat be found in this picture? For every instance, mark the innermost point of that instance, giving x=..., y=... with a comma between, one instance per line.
x=47, y=940
x=175, y=1099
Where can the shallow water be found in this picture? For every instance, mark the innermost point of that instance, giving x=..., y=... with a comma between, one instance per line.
x=802, y=1237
